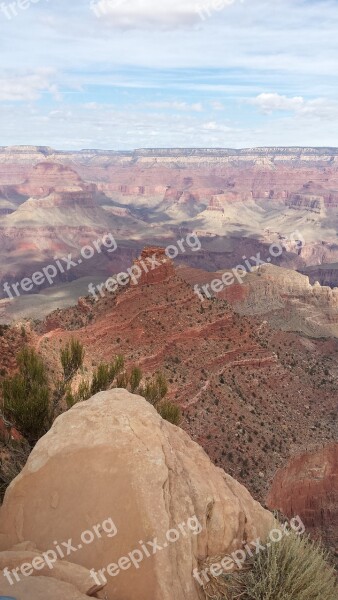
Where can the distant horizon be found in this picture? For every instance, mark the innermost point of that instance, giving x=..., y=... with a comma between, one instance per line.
x=169, y=148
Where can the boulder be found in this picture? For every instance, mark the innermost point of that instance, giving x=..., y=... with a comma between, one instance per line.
x=62, y=570
x=122, y=485
x=40, y=588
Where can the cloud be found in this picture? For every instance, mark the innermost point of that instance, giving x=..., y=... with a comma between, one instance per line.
x=216, y=105
x=27, y=87
x=146, y=13
x=269, y=103
x=177, y=106
x=319, y=108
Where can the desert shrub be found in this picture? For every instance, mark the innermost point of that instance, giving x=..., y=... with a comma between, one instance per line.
x=135, y=379
x=26, y=396
x=116, y=366
x=122, y=380
x=12, y=464
x=170, y=412
x=71, y=356
x=101, y=378
x=105, y=374
x=83, y=393
x=70, y=398
x=293, y=569
x=155, y=390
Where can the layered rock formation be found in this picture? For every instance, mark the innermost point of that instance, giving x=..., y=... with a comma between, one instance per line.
x=53, y=202
x=149, y=275
x=282, y=296
x=113, y=457
x=233, y=376
x=308, y=486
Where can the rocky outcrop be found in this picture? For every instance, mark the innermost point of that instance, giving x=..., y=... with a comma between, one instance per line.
x=288, y=300
x=114, y=458
x=154, y=265
x=308, y=486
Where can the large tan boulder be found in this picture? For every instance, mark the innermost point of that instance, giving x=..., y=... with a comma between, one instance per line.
x=112, y=466
x=62, y=570
x=40, y=588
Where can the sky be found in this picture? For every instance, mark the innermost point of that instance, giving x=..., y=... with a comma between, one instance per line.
x=125, y=74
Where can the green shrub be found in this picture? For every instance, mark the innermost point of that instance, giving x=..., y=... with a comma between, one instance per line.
x=122, y=380
x=293, y=569
x=101, y=379
x=116, y=366
x=170, y=412
x=26, y=396
x=83, y=393
x=71, y=356
x=135, y=379
x=105, y=374
x=155, y=390
x=70, y=398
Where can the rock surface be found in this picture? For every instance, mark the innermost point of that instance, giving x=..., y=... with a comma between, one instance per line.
x=67, y=572
x=113, y=457
x=41, y=588
x=308, y=486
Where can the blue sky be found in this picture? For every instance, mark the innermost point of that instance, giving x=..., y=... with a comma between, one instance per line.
x=124, y=74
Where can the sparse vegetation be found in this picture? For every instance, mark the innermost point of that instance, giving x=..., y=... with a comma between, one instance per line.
x=170, y=412
x=71, y=356
x=26, y=396
x=155, y=390
x=293, y=569
x=12, y=465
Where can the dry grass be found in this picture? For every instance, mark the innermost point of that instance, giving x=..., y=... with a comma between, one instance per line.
x=293, y=569
x=13, y=459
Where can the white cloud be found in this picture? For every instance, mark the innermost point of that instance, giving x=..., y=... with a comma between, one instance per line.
x=146, y=13
x=215, y=105
x=27, y=87
x=319, y=108
x=268, y=103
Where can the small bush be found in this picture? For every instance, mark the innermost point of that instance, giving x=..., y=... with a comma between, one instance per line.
x=72, y=356
x=135, y=379
x=105, y=374
x=170, y=412
x=155, y=390
x=26, y=396
x=82, y=394
x=293, y=569
x=101, y=379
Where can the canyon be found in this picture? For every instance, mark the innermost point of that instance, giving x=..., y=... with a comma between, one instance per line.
x=53, y=203
x=253, y=367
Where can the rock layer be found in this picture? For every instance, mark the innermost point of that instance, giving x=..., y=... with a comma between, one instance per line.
x=308, y=486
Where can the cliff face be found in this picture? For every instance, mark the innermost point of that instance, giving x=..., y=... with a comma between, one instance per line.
x=288, y=300
x=308, y=486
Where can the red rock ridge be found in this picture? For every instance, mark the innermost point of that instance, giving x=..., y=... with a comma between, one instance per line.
x=308, y=487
